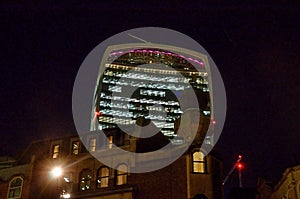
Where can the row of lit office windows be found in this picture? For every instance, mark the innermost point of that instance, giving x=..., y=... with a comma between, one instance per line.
x=152, y=92
x=136, y=83
x=131, y=106
x=122, y=121
x=125, y=78
x=133, y=75
x=134, y=100
x=117, y=86
x=153, y=70
x=128, y=114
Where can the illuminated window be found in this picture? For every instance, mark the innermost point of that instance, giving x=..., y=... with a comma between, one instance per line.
x=102, y=177
x=93, y=144
x=68, y=185
x=85, y=179
x=55, y=151
x=68, y=177
x=121, y=174
x=199, y=162
x=15, y=188
x=75, y=148
x=110, y=142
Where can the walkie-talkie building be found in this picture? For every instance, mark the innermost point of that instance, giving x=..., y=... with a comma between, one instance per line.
x=145, y=81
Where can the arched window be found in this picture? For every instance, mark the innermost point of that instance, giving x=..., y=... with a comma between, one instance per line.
x=121, y=174
x=102, y=177
x=68, y=180
x=15, y=188
x=85, y=178
x=199, y=162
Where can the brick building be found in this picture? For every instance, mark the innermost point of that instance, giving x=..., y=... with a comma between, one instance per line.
x=83, y=176
x=15, y=178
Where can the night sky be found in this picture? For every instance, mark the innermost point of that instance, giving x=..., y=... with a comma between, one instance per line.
x=255, y=46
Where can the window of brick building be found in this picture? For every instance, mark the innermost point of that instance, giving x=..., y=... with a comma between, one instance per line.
x=75, y=147
x=102, y=177
x=68, y=182
x=15, y=188
x=121, y=174
x=85, y=179
x=55, y=151
x=199, y=162
x=93, y=144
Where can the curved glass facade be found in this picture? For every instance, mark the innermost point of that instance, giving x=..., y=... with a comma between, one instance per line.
x=157, y=78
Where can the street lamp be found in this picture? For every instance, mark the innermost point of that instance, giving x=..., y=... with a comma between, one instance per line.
x=56, y=172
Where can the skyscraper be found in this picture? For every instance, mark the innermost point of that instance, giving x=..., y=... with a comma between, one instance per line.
x=150, y=82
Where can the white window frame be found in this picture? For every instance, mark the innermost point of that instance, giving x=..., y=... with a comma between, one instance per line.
x=18, y=187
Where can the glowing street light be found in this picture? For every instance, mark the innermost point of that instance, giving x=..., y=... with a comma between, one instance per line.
x=56, y=172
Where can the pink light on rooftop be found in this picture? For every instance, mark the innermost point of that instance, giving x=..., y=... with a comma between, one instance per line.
x=159, y=52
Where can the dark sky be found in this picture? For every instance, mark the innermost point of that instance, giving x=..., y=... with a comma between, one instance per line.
x=255, y=46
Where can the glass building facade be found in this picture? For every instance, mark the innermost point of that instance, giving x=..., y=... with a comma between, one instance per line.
x=146, y=83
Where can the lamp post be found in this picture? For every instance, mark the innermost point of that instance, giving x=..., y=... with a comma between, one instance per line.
x=56, y=173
